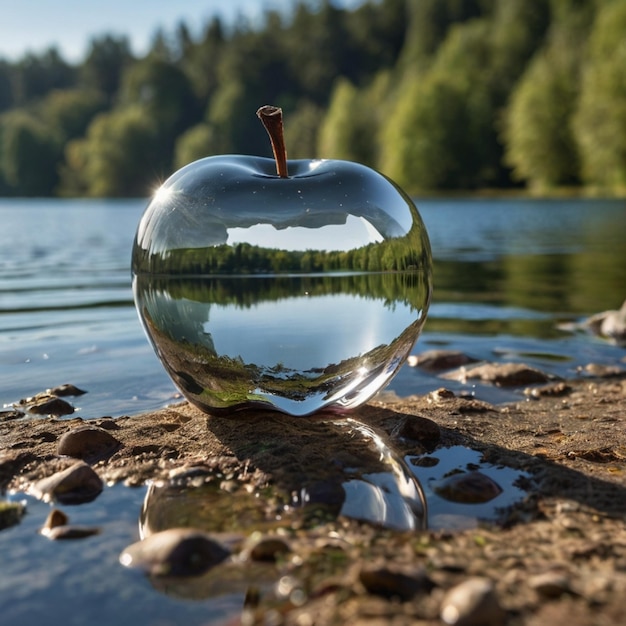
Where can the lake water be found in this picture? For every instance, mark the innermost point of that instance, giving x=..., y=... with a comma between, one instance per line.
x=507, y=274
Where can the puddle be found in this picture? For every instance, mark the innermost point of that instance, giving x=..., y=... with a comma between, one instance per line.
x=451, y=488
x=485, y=492
x=374, y=484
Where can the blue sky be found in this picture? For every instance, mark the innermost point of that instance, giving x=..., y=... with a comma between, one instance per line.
x=33, y=25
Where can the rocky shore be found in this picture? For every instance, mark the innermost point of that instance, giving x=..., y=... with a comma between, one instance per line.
x=558, y=556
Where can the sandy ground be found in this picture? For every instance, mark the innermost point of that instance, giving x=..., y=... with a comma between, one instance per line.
x=558, y=557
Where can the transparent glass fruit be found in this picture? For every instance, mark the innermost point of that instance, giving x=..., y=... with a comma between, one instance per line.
x=296, y=294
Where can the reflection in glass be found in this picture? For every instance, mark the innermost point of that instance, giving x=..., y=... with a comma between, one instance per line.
x=295, y=343
x=296, y=294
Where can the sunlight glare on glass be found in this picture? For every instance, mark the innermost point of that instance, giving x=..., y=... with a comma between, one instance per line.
x=163, y=193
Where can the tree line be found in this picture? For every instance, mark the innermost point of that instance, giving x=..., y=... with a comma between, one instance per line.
x=404, y=254
x=412, y=288
x=437, y=94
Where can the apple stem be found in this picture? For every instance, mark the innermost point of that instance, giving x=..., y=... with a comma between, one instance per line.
x=272, y=118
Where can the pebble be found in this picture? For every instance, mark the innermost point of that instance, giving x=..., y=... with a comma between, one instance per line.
x=74, y=485
x=66, y=390
x=389, y=583
x=57, y=526
x=50, y=402
x=434, y=360
x=269, y=549
x=69, y=532
x=441, y=394
x=550, y=584
x=175, y=552
x=55, y=518
x=609, y=324
x=472, y=603
x=424, y=461
x=598, y=370
x=49, y=405
x=550, y=390
x=468, y=488
x=417, y=428
x=501, y=374
x=88, y=443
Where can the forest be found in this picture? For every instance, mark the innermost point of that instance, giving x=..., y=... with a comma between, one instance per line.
x=439, y=95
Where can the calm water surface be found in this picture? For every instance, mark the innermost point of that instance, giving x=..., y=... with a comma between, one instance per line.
x=507, y=273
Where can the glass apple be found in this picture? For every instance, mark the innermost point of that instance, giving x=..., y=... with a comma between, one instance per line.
x=299, y=292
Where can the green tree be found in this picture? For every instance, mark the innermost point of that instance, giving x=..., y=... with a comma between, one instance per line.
x=343, y=134
x=6, y=87
x=540, y=144
x=118, y=157
x=319, y=49
x=106, y=60
x=201, y=60
x=426, y=143
x=600, y=121
x=353, y=122
x=164, y=91
x=69, y=111
x=230, y=117
x=428, y=24
x=29, y=154
x=36, y=75
x=196, y=143
x=443, y=132
x=377, y=32
x=301, y=130
x=253, y=70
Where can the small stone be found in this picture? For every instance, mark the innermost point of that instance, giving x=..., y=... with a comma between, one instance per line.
x=441, y=394
x=88, y=443
x=269, y=549
x=389, y=583
x=501, y=374
x=55, y=518
x=424, y=461
x=417, y=428
x=49, y=405
x=598, y=370
x=550, y=584
x=67, y=531
x=609, y=324
x=66, y=390
x=175, y=552
x=551, y=390
x=468, y=488
x=74, y=485
x=436, y=360
x=472, y=603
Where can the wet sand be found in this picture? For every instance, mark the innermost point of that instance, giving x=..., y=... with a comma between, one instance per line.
x=559, y=556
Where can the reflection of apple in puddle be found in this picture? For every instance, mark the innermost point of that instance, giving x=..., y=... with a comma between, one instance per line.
x=331, y=468
x=367, y=480
x=313, y=284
